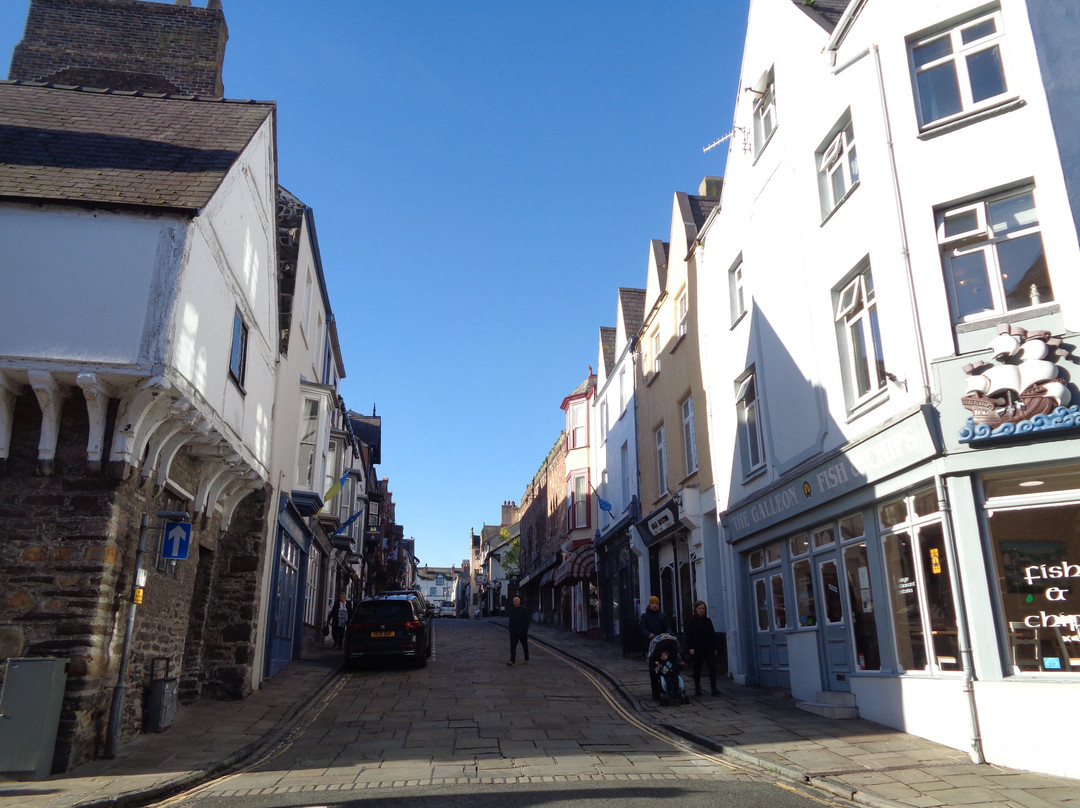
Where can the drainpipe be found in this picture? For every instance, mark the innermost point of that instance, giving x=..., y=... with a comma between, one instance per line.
x=905, y=253
x=962, y=625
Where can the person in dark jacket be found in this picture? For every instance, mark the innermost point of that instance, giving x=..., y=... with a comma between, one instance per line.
x=653, y=621
x=519, y=630
x=701, y=641
x=338, y=618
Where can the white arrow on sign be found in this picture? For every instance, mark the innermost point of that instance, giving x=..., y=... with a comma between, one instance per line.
x=177, y=539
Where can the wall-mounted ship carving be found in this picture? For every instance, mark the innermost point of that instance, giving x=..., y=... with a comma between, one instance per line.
x=1023, y=390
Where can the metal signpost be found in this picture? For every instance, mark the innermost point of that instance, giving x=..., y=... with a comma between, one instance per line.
x=177, y=537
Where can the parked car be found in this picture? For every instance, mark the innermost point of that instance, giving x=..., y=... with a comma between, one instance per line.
x=396, y=625
x=446, y=609
x=416, y=594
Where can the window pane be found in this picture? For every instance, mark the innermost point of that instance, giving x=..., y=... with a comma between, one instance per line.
x=762, y=605
x=1030, y=546
x=986, y=74
x=939, y=92
x=939, y=599
x=963, y=221
x=858, y=351
x=853, y=166
x=893, y=513
x=879, y=352
x=804, y=593
x=932, y=51
x=852, y=527
x=925, y=503
x=904, y=597
x=304, y=465
x=1024, y=273
x=978, y=31
x=830, y=591
x=799, y=544
x=824, y=536
x=1014, y=213
x=838, y=189
x=779, y=610
x=970, y=285
x=864, y=624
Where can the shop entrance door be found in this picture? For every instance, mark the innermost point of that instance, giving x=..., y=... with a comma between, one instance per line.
x=770, y=628
x=835, y=621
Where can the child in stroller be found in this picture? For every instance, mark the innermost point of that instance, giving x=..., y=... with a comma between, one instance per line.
x=664, y=665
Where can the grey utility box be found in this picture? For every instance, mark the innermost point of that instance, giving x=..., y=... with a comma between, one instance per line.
x=160, y=697
x=30, y=715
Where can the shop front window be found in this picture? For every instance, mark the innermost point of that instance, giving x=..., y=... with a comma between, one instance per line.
x=804, y=593
x=920, y=584
x=1037, y=551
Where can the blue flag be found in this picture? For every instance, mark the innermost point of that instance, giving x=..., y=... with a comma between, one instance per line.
x=348, y=522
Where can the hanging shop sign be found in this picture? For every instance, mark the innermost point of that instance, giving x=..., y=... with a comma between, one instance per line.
x=660, y=523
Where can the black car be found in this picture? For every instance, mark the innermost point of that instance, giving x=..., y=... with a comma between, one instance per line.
x=389, y=626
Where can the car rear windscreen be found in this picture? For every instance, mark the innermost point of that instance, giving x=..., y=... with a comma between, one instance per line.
x=382, y=612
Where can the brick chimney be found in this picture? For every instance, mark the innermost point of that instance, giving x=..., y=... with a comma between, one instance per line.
x=124, y=45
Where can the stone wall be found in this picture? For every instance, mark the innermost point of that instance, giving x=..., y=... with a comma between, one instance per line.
x=67, y=554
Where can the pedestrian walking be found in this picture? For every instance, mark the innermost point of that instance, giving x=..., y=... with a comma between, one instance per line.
x=701, y=640
x=519, y=630
x=338, y=618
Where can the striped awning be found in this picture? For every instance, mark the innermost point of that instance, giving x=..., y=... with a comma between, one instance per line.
x=580, y=565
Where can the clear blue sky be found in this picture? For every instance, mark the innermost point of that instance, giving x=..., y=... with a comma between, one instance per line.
x=484, y=176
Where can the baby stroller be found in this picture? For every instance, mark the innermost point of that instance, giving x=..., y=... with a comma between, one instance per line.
x=667, y=684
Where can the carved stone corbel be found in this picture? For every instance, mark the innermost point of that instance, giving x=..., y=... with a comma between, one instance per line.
x=50, y=395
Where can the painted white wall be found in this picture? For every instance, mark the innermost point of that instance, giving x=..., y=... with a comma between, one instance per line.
x=230, y=265
x=86, y=269
x=792, y=261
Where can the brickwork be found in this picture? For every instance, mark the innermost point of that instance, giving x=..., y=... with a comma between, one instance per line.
x=67, y=554
x=123, y=45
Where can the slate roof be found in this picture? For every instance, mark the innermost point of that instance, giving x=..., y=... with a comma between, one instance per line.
x=700, y=207
x=607, y=345
x=633, y=306
x=119, y=148
x=826, y=13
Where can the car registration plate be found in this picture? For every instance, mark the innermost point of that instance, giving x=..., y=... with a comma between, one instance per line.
x=382, y=634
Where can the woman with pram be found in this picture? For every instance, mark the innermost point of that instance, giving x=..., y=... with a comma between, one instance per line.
x=651, y=624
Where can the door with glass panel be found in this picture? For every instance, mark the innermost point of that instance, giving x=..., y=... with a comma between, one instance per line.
x=833, y=617
x=770, y=617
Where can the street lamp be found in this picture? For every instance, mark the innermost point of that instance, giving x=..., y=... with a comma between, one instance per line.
x=112, y=738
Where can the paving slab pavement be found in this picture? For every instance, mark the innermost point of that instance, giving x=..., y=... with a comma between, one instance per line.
x=856, y=759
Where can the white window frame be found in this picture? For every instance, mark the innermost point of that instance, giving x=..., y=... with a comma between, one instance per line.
x=986, y=237
x=751, y=433
x=689, y=435
x=655, y=340
x=577, y=497
x=682, y=306
x=577, y=425
x=661, y=461
x=312, y=603
x=603, y=420
x=958, y=58
x=838, y=167
x=737, y=291
x=858, y=335
x=309, y=439
x=765, y=122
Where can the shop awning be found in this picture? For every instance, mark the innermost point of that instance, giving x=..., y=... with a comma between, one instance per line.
x=580, y=565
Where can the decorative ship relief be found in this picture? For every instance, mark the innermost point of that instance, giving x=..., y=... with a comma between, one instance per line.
x=1026, y=391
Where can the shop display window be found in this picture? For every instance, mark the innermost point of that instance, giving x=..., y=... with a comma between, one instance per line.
x=920, y=584
x=779, y=609
x=1037, y=553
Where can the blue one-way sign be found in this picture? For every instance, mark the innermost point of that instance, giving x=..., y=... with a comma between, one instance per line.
x=177, y=540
